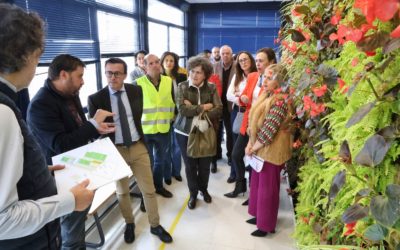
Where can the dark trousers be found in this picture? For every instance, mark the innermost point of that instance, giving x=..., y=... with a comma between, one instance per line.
x=238, y=154
x=173, y=161
x=234, y=138
x=157, y=145
x=226, y=117
x=73, y=230
x=197, y=169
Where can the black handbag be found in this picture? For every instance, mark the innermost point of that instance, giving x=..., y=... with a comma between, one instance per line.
x=202, y=144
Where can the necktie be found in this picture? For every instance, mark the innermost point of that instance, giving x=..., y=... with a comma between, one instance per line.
x=260, y=81
x=123, y=119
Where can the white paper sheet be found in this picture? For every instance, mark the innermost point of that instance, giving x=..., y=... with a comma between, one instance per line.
x=100, y=162
x=254, y=161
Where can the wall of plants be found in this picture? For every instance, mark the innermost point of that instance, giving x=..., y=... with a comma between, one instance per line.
x=343, y=60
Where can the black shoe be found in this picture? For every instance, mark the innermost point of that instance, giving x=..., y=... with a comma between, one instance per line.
x=168, y=182
x=164, y=193
x=259, y=233
x=192, y=202
x=230, y=179
x=178, y=178
x=248, y=168
x=161, y=233
x=129, y=234
x=213, y=167
x=240, y=187
x=142, y=207
x=245, y=203
x=229, y=161
x=206, y=196
x=252, y=221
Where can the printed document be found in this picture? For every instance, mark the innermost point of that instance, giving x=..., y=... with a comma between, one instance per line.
x=254, y=161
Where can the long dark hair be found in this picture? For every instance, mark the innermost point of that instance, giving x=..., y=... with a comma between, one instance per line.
x=239, y=70
x=174, y=71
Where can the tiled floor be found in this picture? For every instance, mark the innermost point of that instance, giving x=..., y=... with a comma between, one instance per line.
x=217, y=226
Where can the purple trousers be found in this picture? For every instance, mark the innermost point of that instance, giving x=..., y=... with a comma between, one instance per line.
x=264, y=196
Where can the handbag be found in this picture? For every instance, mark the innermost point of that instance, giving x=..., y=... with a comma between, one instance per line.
x=237, y=123
x=202, y=144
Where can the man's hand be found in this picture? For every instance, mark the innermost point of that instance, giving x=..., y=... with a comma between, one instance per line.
x=207, y=106
x=56, y=167
x=101, y=115
x=83, y=196
x=244, y=99
x=106, y=128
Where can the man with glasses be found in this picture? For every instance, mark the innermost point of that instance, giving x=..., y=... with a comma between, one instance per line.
x=126, y=103
x=57, y=120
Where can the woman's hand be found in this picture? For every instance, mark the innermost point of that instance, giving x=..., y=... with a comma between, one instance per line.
x=207, y=106
x=257, y=145
x=186, y=102
x=244, y=99
x=248, y=150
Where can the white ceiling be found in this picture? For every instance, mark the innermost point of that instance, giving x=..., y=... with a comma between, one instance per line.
x=229, y=1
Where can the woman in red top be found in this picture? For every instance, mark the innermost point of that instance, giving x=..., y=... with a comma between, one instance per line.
x=264, y=58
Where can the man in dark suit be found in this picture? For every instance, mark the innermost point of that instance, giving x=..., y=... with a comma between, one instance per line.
x=56, y=118
x=225, y=69
x=126, y=102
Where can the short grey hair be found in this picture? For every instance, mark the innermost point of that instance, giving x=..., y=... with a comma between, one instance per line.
x=204, y=63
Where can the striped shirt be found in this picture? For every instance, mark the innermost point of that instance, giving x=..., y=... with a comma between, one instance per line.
x=272, y=122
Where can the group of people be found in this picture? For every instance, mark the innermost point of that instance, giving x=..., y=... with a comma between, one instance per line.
x=141, y=118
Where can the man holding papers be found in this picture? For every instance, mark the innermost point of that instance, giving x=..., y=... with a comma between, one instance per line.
x=56, y=118
x=126, y=102
x=29, y=203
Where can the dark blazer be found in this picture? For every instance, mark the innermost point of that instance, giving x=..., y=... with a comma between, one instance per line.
x=53, y=124
x=101, y=100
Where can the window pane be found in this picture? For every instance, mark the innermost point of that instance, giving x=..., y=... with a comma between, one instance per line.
x=130, y=61
x=37, y=81
x=158, y=38
x=177, y=41
x=87, y=89
x=117, y=34
x=125, y=5
x=164, y=12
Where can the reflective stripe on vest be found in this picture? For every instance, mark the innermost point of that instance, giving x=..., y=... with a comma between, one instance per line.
x=158, y=106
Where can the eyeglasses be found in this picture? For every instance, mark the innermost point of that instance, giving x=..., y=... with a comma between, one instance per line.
x=115, y=74
x=243, y=60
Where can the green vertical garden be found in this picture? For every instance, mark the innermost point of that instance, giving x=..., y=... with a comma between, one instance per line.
x=343, y=60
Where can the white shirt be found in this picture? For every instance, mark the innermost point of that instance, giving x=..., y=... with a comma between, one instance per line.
x=19, y=218
x=233, y=94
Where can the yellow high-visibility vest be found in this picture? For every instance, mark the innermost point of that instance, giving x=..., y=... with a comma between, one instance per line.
x=158, y=106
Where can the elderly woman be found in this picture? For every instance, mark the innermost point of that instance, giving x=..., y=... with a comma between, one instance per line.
x=271, y=140
x=196, y=96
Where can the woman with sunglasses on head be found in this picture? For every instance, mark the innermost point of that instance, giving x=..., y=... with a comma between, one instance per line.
x=271, y=141
x=244, y=66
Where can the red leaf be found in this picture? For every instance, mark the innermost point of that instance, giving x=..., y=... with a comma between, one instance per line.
x=396, y=32
x=320, y=91
x=336, y=18
x=385, y=10
x=354, y=62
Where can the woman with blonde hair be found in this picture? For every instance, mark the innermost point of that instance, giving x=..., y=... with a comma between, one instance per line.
x=270, y=140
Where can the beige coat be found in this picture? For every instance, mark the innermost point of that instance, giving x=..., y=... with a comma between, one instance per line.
x=280, y=150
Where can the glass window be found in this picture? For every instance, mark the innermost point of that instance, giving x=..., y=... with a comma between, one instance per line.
x=125, y=5
x=117, y=34
x=164, y=12
x=177, y=41
x=158, y=38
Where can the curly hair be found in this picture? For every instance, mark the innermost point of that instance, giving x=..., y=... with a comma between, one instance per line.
x=204, y=63
x=174, y=71
x=280, y=72
x=21, y=34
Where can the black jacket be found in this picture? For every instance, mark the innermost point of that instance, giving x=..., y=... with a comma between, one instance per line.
x=53, y=124
x=101, y=100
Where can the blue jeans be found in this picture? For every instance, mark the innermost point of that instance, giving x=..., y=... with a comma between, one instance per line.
x=73, y=230
x=174, y=162
x=157, y=145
